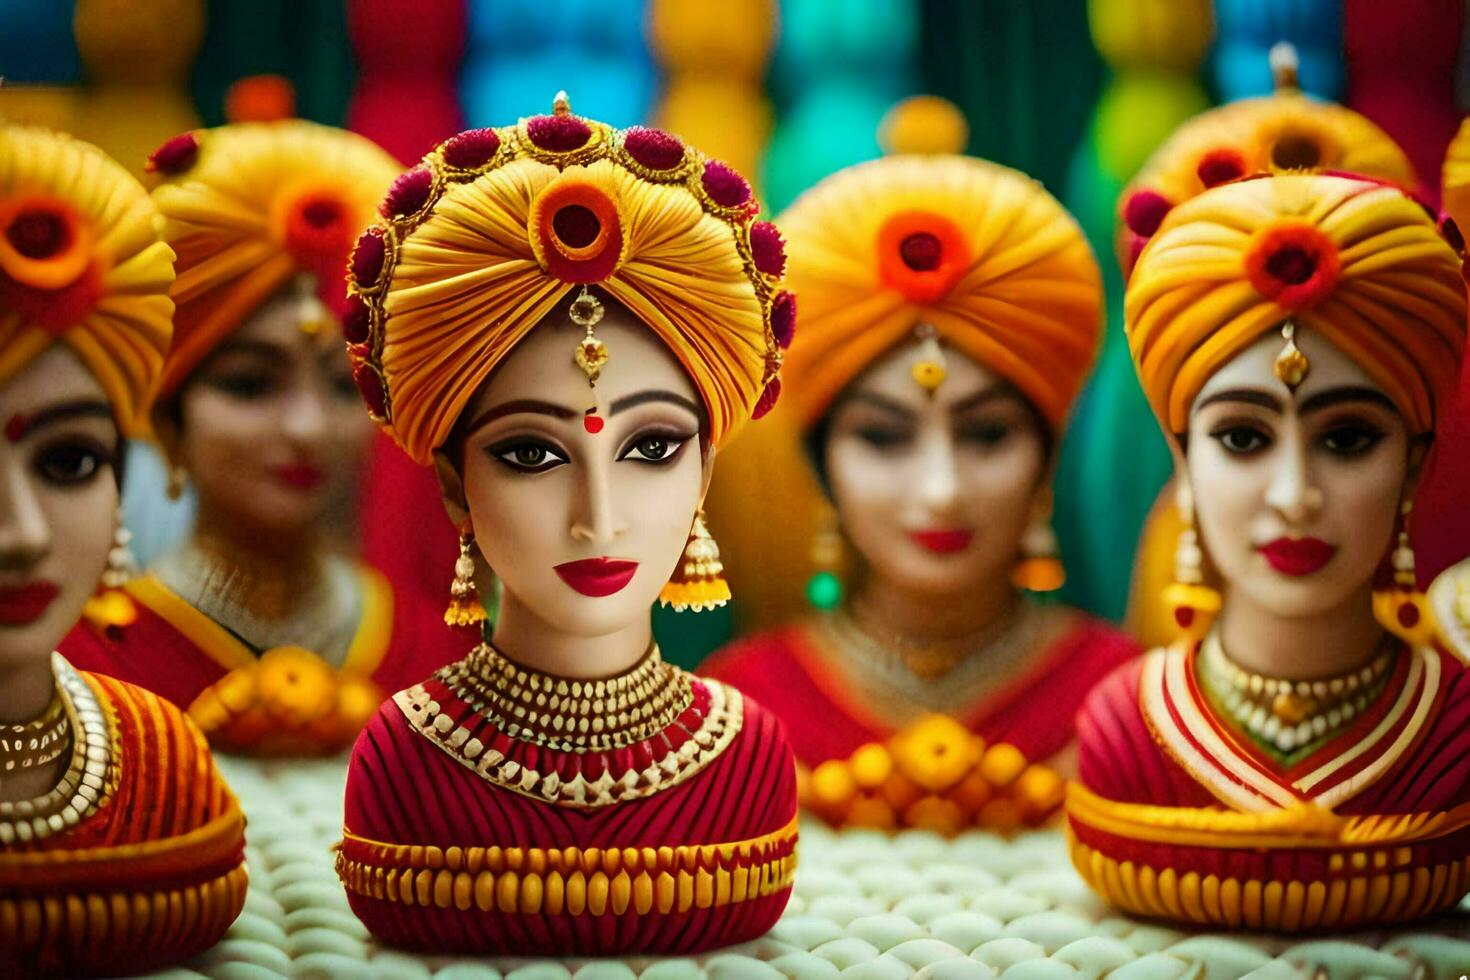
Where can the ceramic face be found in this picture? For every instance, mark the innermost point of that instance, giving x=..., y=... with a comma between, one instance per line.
x=58, y=501
x=1296, y=493
x=271, y=427
x=935, y=491
x=584, y=527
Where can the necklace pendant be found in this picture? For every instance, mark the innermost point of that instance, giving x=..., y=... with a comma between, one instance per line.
x=1292, y=708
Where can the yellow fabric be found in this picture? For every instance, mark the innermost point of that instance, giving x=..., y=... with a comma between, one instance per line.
x=1396, y=304
x=1260, y=130
x=1026, y=301
x=122, y=333
x=473, y=273
x=1455, y=177
x=229, y=214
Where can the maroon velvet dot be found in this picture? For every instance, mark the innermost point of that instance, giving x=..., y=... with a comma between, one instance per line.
x=768, y=248
x=1220, y=166
x=1408, y=615
x=176, y=155
x=355, y=321
x=1145, y=211
x=1184, y=616
x=783, y=319
x=368, y=256
x=767, y=400
x=724, y=186
x=654, y=148
x=38, y=234
x=1450, y=229
x=576, y=225
x=472, y=148
x=1291, y=264
x=409, y=193
x=921, y=251
x=371, y=387
x=559, y=134
x=322, y=213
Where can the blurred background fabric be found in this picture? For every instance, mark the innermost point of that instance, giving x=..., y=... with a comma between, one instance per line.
x=1076, y=93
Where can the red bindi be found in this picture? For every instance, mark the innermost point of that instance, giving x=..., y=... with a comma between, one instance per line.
x=592, y=422
x=15, y=429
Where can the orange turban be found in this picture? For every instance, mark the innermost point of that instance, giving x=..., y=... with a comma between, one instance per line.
x=981, y=252
x=1360, y=262
x=250, y=206
x=1287, y=131
x=481, y=241
x=81, y=264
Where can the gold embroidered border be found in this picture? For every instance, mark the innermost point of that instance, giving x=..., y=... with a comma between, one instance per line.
x=535, y=881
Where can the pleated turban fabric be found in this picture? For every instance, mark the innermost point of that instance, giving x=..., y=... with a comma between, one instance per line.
x=81, y=264
x=980, y=252
x=483, y=239
x=250, y=206
x=1359, y=261
x=1286, y=132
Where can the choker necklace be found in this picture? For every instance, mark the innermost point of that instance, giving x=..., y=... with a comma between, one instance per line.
x=591, y=715
x=926, y=659
x=37, y=742
x=1291, y=715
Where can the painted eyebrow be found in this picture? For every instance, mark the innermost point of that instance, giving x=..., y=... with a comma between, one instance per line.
x=652, y=395
x=1251, y=396
x=20, y=426
x=879, y=402
x=521, y=405
x=984, y=396
x=1339, y=396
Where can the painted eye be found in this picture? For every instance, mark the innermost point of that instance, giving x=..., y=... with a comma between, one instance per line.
x=70, y=463
x=1242, y=440
x=883, y=436
x=1351, y=440
x=653, y=448
x=987, y=435
x=528, y=456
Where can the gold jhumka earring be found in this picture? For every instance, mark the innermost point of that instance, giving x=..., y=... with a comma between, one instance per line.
x=1402, y=609
x=1192, y=604
x=465, y=608
x=698, y=583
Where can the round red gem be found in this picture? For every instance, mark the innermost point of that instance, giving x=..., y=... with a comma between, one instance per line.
x=654, y=148
x=1145, y=211
x=176, y=155
x=371, y=387
x=767, y=400
x=921, y=251
x=1219, y=167
x=322, y=212
x=593, y=423
x=472, y=148
x=409, y=193
x=1408, y=615
x=559, y=134
x=39, y=233
x=1291, y=264
x=724, y=186
x=783, y=319
x=368, y=257
x=768, y=248
x=356, y=321
x=576, y=225
x=1184, y=616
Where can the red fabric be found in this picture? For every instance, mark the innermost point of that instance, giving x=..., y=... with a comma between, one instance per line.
x=153, y=654
x=405, y=532
x=407, y=60
x=1120, y=760
x=403, y=789
x=780, y=670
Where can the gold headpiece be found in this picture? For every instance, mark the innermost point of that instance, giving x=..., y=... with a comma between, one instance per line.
x=1291, y=365
x=929, y=370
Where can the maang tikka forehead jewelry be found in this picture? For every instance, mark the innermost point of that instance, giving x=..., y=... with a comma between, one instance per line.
x=1291, y=366
x=928, y=371
x=591, y=353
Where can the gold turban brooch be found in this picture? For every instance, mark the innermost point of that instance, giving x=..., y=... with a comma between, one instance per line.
x=251, y=206
x=1358, y=261
x=481, y=241
x=81, y=264
x=977, y=252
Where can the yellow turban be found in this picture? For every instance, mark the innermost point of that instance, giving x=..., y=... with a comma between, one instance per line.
x=1284, y=132
x=482, y=240
x=1360, y=262
x=979, y=251
x=1455, y=178
x=81, y=264
x=250, y=206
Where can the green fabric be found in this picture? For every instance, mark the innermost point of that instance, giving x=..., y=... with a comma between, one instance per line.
x=304, y=40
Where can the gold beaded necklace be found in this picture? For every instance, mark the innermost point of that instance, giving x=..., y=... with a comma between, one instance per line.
x=37, y=742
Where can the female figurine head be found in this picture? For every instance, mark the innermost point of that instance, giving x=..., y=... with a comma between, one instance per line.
x=256, y=403
x=950, y=311
x=566, y=321
x=1299, y=338
x=84, y=322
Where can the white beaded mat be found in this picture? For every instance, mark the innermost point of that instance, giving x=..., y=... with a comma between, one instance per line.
x=866, y=906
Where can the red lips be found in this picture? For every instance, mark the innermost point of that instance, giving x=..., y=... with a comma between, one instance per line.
x=300, y=476
x=943, y=541
x=24, y=604
x=597, y=577
x=1297, y=556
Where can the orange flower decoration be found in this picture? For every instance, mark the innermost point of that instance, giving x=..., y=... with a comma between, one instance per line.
x=577, y=231
x=922, y=255
x=1293, y=263
x=935, y=752
x=48, y=269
